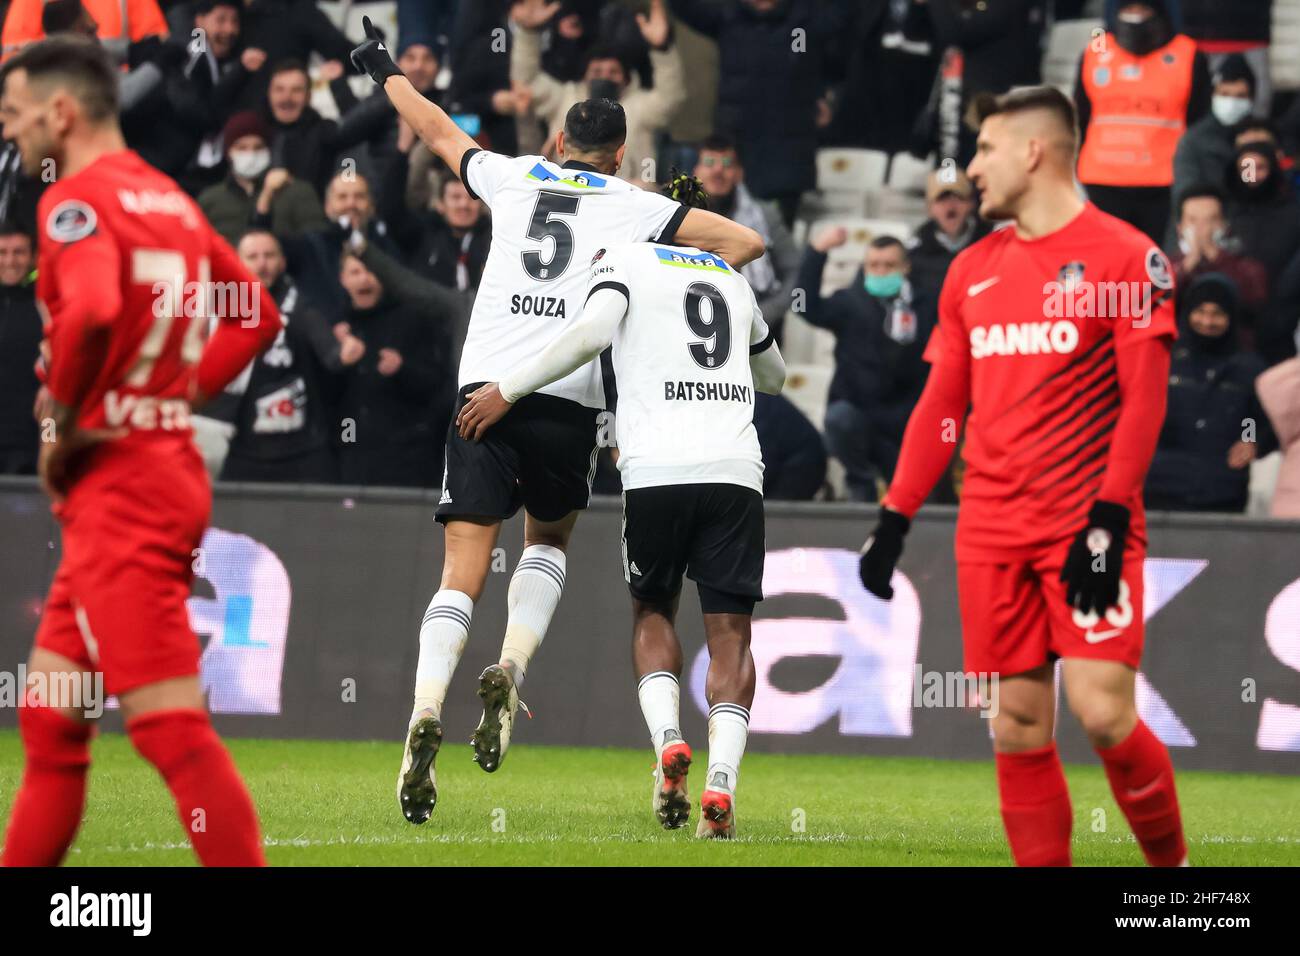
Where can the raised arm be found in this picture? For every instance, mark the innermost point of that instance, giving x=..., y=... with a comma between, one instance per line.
x=429, y=121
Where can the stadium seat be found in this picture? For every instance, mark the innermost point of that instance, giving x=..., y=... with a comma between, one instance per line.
x=1065, y=45
x=1284, y=52
x=806, y=386
x=851, y=170
x=908, y=174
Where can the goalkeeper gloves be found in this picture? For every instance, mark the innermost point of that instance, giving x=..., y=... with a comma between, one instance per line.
x=881, y=552
x=1092, y=567
x=372, y=57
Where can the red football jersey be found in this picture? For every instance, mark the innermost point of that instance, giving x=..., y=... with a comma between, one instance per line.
x=1034, y=325
x=123, y=247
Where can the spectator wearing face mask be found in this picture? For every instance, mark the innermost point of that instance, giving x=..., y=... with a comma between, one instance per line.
x=1263, y=212
x=772, y=275
x=1139, y=88
x=880, y=329
x=254, y=194
x=952, y=226
x=608, y=76
x=1206, y=147
x=1238, y=28
x=20, y=339
x=1214, y=427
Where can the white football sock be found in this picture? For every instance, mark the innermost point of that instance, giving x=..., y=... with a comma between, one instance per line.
x=535, y=590
x=442, y=640
x=659, y=694
x=728, y=731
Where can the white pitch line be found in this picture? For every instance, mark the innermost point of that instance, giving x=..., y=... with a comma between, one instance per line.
x=465, y=840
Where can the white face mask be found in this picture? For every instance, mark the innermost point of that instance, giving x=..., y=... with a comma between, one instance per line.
x=250, y=163
x=1230, y=110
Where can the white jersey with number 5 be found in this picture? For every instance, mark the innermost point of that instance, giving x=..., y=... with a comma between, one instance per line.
x=547, y=222
x=681, y=360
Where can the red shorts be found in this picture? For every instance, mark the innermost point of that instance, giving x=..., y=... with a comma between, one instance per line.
x=117, y=602
x=1014, y=616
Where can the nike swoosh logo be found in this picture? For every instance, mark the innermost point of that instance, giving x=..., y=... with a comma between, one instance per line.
x=979, y=287
x=1096, y=637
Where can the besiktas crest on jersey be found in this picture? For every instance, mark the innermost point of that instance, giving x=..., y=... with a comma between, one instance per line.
x=548, y=223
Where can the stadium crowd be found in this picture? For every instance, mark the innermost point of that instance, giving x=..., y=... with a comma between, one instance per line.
x=373, y=252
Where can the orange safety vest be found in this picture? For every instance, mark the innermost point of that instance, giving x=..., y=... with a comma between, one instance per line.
x=1139, y=112
x=116, y=19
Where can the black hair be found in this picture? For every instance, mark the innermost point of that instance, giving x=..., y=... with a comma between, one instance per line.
x=288, y=65
x=204, y=7
x=888, y=242
x=260, y=231
x=608, y=51
x=59, y=16
x=595, y=126
x=1203, y=191
x=8, y=229
x=1235, y=67
x=1022, y=99
x=719, y=143
x=78, y=62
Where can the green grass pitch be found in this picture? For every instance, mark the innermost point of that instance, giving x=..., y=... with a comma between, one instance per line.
x=333, y=804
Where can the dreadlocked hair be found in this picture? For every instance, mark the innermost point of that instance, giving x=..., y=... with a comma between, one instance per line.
x=686, y=189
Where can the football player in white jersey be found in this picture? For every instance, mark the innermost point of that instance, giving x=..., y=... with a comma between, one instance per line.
x=547, y=221
x=690, y=347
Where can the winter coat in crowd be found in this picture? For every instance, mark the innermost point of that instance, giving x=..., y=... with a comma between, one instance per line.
x=1212, y=406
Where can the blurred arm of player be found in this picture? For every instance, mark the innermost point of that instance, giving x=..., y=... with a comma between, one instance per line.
x=766, y=365
x=572, y=349
x=89, y=300
x=447, y=140
x=237, y=338
x=929, y=440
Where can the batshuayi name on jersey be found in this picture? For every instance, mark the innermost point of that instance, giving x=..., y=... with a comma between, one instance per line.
x=681, y=358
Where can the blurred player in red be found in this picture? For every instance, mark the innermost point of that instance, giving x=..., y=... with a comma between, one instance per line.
x=1055, y=333
x=125, y=264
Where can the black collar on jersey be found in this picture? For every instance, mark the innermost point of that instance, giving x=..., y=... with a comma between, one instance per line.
x=579, y=164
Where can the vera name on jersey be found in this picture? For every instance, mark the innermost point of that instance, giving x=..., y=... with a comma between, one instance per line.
x=707, y=391
x=545, y=305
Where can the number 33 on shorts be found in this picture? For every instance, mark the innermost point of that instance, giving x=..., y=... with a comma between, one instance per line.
x=1115, y=634
x=1117, y=617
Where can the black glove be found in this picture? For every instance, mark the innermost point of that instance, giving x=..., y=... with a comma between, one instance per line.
x=880, y=553
x=372, y=57
x=1092, y=568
